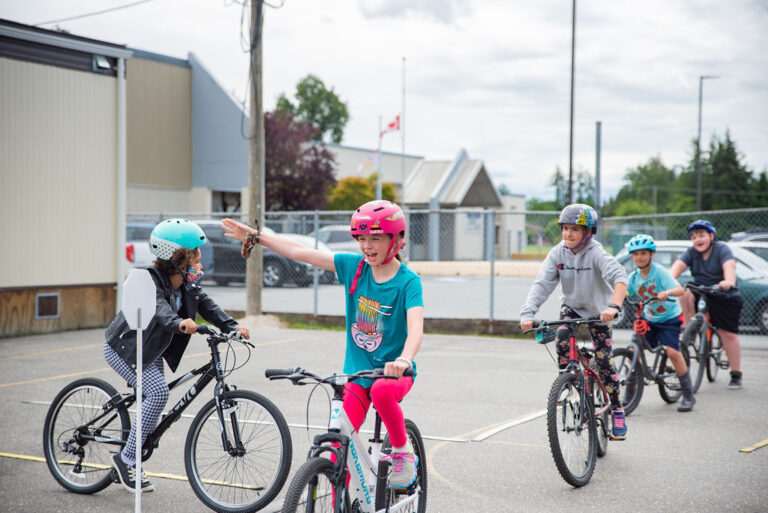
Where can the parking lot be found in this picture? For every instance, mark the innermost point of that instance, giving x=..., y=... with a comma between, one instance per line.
x=468, y=387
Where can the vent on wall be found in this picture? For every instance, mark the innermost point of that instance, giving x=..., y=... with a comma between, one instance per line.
x=47, y=305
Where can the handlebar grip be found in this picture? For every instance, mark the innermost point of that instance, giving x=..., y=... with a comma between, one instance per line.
x=203, y=329
x=271, y=373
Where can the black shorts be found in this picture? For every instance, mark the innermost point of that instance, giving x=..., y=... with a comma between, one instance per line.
x=724, y=311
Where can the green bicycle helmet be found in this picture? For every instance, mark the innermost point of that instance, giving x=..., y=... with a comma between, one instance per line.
x=641, y=241
x=172, y=234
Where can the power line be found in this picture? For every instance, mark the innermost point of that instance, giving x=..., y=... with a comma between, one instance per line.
x=95, y=13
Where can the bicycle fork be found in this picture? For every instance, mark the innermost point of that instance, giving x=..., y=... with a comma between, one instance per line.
x=228, y=409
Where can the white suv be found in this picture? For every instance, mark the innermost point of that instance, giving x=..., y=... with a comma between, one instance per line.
x=338, y=238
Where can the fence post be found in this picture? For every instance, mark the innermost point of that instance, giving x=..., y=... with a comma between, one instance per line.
x=490, y=232
x=316, y=270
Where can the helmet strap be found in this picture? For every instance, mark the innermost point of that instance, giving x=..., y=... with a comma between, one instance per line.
x=584, y=240
x=389, y=249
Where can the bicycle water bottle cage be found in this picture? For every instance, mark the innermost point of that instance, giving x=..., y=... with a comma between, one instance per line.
x=545, y=335
x=641, y=327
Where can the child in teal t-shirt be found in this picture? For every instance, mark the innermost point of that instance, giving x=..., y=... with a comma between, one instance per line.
x=385, y=316
x=652, y=280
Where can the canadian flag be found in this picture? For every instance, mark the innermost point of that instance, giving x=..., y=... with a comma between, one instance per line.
x=392, y=126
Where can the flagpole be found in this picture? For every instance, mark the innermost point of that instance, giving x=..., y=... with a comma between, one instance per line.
x=402, y=127
x=378, y=165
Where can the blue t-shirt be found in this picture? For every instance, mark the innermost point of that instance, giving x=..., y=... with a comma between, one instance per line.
x=376, y=314
x=657, y=281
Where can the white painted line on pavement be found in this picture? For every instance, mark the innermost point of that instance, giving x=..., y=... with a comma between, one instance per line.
x=487, y=434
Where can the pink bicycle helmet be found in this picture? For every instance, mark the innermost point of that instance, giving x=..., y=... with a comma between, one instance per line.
x=378, y=217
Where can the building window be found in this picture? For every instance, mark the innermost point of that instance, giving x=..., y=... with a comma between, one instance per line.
x=47, y=306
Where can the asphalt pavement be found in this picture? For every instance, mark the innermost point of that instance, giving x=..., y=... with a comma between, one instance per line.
x=478, y=401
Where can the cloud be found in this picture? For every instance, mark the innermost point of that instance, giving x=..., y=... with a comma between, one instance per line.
x=443, y=11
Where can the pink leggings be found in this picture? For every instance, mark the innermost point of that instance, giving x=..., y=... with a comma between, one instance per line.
x=385, y=395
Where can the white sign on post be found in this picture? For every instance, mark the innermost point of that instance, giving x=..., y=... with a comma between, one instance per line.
x=138, y=308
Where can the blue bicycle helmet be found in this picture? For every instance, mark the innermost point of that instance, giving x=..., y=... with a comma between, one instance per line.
x=701, y=224
x=641, y=241
x=172, y=234
x=580, y=214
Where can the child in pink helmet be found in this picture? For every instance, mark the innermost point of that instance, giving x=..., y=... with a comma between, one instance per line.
x=385, y=316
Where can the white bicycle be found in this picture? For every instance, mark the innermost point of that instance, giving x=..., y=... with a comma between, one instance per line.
x=320, y=485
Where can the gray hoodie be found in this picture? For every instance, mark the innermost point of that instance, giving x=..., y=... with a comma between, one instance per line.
x=587, y=279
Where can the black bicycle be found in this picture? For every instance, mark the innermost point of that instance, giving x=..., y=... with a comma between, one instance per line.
x=634, y=369
x=701, y=339
x=237, y=452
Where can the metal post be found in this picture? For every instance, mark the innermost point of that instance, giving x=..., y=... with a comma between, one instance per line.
x=490, y=230
x=378, y=166
x=570, y=145
x=316, y=270
x=138, y=389
x=698, y=144
x=598, y=126
x=402, y=150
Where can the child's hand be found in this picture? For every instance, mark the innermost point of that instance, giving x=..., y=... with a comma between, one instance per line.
x=526, y=325
x=244, y=332
x=609, y=314
x=188, y=326
x=662, y=295
x=396, y=368
x=234, y=229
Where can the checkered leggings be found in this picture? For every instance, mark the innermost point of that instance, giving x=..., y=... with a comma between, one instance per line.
x=155, y=396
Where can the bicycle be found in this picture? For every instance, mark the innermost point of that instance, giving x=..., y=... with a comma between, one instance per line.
x=632, y=365
x=701, y=339
x=237, y=452
x=320, y=485
x=577, y=407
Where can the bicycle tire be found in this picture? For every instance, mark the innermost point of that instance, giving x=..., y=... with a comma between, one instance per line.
x=74, y=406
x=382, y=483
x=245, y=482
x=715, y=361
x=669, y=385
x=602, y=424
x=631, y=386
x=572, y=437
x=312, y=488
x=694, y=345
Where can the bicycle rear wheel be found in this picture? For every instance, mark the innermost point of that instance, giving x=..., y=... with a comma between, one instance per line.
x=418, y=487
x=694, y=344
x=312, y=488
x=716, y=360
x=75, y=416
x=250, y=476
x=571, y=429
x=631, y=381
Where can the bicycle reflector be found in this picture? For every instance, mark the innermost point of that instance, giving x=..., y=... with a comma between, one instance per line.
x=545, y=335
x=641, y=327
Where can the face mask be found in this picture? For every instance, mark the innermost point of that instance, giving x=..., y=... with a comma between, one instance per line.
x=194, y=274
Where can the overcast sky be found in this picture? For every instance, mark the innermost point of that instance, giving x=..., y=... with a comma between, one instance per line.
x=490, y=76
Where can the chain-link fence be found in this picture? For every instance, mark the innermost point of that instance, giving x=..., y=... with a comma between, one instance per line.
x=479, y=263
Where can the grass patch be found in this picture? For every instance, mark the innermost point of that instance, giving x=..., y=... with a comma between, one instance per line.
x=304, y=325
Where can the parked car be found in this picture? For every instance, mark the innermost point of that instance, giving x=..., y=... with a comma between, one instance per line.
x=137, y=252
x=229, y=265
x=758, y=248
x=753, y=234
x=338, y=238
x=325, y=276
x=751, y=278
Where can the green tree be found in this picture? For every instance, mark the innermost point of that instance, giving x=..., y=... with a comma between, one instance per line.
x=651, y=189
x=319, y=106
x=351, y=192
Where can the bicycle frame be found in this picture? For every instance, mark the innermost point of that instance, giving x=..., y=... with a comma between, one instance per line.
x=207, y=372
x=364, y=462
x=579, y=363
x=638, y=345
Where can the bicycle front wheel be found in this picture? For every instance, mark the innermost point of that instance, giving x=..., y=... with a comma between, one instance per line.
x=312, y=488
x=716, y=359
x=77, y=415
x=571, y=428
x=386, y=496
x=694, y=344
x=631, y=381
x=247, y=476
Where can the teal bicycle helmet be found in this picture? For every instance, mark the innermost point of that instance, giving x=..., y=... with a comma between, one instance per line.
x=172, y=234
x=641, y=241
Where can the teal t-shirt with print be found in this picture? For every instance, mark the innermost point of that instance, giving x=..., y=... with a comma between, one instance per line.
x=658, y=280
x=376, y=314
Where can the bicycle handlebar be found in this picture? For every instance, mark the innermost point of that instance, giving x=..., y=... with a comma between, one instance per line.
x=713, y=290
x=297, y=374
x=219, y=337
x=540, y=325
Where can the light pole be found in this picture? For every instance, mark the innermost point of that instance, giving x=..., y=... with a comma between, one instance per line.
x=698, y=144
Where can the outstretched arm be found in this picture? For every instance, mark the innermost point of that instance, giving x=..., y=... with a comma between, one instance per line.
x=288, y=248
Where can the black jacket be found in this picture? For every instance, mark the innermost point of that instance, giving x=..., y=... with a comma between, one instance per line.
x=162, y=336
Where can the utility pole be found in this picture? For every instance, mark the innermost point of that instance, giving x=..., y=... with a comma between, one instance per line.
x=253, y=280
x=698, y=144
